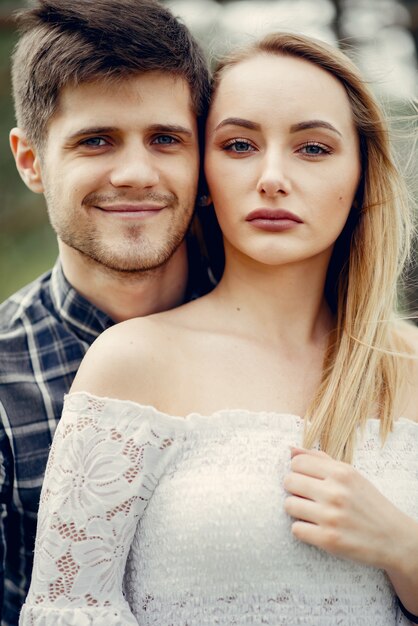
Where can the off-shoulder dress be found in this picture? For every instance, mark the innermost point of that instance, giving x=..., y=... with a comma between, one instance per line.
x=147, y=518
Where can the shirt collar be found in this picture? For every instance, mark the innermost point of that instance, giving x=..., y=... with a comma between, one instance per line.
x=84, y=317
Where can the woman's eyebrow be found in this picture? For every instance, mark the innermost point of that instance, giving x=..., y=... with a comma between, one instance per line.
x=313, y=124
x=306, y=125
x=238, y=121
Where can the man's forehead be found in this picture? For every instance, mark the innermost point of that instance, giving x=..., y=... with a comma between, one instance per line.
x=137, y=86
x=153, y=97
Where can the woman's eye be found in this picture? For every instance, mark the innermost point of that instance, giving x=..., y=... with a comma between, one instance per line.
x=238, y=146
x=315, y=149
x=164, y=140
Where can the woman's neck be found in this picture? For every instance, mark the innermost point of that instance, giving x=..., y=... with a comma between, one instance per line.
x=285, y=304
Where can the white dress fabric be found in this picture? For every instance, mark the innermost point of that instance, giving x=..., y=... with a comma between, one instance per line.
x=146, y=518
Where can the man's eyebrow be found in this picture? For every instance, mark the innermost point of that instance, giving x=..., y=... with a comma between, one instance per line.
x=91, y=130
x=238, y=121
x=170, y=128
x=313, y=124
x=155, y=128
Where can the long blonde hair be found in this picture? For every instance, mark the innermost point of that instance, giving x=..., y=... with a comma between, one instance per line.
x=363, y=371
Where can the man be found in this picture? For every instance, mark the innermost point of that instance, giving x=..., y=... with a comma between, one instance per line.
x=109, y=98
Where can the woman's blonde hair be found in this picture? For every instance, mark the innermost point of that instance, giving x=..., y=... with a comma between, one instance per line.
x=363, y=371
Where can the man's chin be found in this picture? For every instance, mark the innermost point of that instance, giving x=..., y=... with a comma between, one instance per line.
x=124, y=266
x=137, y=264
x=127, y=258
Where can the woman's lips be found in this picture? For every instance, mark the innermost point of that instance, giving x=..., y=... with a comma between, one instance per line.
x=273, y=220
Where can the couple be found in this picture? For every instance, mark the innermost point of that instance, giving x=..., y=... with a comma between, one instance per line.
x=249, y=457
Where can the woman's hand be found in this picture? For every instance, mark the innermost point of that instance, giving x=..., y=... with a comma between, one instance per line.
x=339, y=510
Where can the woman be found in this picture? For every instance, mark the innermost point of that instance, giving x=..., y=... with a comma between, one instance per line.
x=259, y=465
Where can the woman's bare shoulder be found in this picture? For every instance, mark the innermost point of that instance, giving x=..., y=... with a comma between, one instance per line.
x=134, y=360
x=123, y=359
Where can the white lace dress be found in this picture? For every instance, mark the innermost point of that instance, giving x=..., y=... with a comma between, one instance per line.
x=147, y=519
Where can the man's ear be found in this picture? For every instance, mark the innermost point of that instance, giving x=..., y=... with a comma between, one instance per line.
x=27, y=160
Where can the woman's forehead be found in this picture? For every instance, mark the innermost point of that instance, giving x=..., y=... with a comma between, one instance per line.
x=276, y=86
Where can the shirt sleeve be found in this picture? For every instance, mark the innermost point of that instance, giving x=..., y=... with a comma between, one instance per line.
x=104, y=464
x=6, y=482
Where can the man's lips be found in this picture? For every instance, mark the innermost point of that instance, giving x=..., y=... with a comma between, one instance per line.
x=132, y=210
x=273, y=215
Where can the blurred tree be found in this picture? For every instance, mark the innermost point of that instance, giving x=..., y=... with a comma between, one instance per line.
x=337, y=23
x=412, y=6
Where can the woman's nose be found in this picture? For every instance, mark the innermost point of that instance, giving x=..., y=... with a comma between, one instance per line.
x=274, y=179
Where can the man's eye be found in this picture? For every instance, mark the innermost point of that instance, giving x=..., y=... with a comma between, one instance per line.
x=95, y=142
x=164, y=140
x=238, y=145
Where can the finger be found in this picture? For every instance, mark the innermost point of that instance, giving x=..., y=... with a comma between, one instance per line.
x=312, y=465
x=304, y=486
x=294, y=451
x=329, y=539
x=307, y=532
x=303, y=509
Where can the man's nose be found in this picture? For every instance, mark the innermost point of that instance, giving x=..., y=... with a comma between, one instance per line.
x=135, y=166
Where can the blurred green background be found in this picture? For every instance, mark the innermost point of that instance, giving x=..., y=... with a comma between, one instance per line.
x=27, y=244
x=378, y=31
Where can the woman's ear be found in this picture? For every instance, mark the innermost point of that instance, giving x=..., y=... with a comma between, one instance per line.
x=27, y=160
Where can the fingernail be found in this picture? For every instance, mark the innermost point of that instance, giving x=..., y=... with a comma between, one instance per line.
x=295, y=450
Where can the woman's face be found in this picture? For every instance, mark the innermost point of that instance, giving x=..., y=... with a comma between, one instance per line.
x=282, y=159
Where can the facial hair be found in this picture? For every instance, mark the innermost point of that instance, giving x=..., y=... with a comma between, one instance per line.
x=134, y=251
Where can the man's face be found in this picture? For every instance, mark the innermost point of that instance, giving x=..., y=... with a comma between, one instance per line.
x=120, y=169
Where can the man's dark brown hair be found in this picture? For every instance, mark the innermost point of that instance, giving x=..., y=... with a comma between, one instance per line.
x=78, y=41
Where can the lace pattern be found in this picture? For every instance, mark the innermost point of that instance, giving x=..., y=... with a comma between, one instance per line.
x=101, y=473
x=147, y=518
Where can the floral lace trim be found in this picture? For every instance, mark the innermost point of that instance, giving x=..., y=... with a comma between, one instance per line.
x=100, y=476
x=225, y=416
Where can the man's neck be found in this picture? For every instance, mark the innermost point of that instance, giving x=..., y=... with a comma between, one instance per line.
x=125, y=295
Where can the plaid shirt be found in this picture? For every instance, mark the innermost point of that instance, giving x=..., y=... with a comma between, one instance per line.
x=45, y=330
